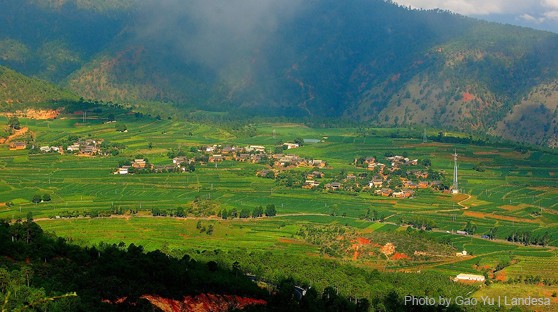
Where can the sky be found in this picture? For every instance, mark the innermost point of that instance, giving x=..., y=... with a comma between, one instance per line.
x=538, y=14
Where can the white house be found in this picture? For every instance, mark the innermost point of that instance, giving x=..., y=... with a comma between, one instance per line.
x=469, y=278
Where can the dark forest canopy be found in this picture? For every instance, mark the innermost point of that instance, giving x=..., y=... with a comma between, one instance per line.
x=368, y=60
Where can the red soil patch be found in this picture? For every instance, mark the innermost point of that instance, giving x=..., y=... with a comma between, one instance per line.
x=183, y=235
x=399, y=256
x=482, y=215
x=363, y=241
x=16, y=134
x=486, y=153
x=468, y=97
x=355, y=253
x=39, y=114
x=203, y=303
x=291, y=241
x=501, y=276
x=512, y=208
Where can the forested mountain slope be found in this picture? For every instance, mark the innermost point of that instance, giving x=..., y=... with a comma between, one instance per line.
x=368, y=60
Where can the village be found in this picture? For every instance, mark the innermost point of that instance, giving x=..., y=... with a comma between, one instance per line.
x=400, y=177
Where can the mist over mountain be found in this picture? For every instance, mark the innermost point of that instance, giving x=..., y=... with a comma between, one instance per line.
x=366, y=60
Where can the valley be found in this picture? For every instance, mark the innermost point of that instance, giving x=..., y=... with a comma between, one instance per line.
x=507, y=206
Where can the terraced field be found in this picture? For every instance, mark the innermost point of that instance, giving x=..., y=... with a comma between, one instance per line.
x=514, y=192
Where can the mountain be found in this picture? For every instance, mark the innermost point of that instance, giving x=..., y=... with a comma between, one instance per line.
x=17, y=91
x=367, y=60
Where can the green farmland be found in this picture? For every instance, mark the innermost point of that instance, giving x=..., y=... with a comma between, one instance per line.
x=515, y=192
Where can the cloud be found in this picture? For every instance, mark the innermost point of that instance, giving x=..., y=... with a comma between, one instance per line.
x=471, y=7
x=550, y=4
x=213, y=32
x=541, y=14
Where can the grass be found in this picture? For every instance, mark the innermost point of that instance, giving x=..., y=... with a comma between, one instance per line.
x=507, y=195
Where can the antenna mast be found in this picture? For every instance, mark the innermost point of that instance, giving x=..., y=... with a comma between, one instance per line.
x=455, y=187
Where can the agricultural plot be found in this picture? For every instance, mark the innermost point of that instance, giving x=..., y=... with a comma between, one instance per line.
x=512, y=192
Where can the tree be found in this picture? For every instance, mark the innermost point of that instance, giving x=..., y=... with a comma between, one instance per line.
x=150, y=145
x=245, y=213
x=426, y=162
x=180, y=212
x=334, y=210
x=121, y=127
x=110, y=117
x=257, y=212
x=37, y=198
x=299, y=141
x=46, y=197
x=13, y=122
x=270, y=210
x=191, y=168
x=29, y=216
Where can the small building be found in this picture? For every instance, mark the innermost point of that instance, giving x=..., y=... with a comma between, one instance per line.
x=123, y=170
x=45, y=149
x=243, y=157
x=462, y=232
x=386, y=192
x=469, y=278
x=291, y=145
x=73, y=148
x=376, y=182
x=227, y=150
x=255, y=148
x=179, y=160
x=216, y=158
x=461, y=254
x=318, y=163
x=18, y=145
x=317, y=174
x=139, y=163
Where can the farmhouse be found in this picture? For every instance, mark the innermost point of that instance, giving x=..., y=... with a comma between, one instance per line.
x=318, y=163
x=216, y=158
x=179, y=160
x=228, y=150
x=385, y=192
x=139, y=163
x=73, y=148
x=255, y=148
x=18, y=145
x=123, y=170
x=422, y=184
x=333, y=186
x=376, y=182
x=291, y=145
x=308, y=184
x=243, y=157
x=469, y=278
x=88, y=150
x=410, y=184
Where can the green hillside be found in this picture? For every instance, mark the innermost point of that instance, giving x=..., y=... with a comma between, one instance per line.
x=17, y=91
x=367, y=60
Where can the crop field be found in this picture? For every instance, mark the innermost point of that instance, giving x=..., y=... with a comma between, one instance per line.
x=514, y=192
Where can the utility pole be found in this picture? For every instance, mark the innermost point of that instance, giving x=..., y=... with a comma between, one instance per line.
x=455, y=187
